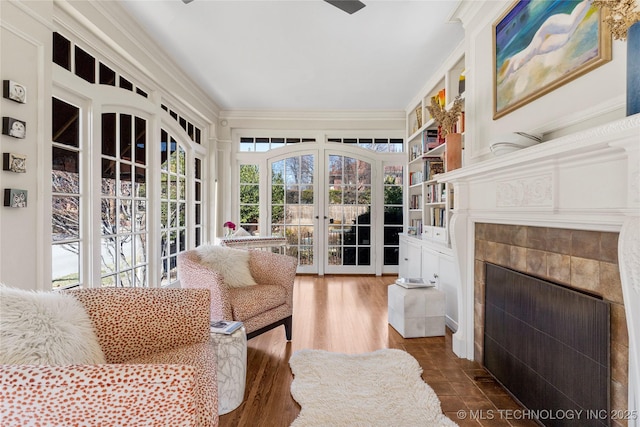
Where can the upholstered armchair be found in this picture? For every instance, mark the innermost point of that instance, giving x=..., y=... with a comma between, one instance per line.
x=158, y=366
x=262, y=305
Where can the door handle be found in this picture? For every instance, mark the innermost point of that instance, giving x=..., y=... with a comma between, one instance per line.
x=318, y=217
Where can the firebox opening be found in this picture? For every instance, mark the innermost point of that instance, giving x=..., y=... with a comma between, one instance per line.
x=548, y=345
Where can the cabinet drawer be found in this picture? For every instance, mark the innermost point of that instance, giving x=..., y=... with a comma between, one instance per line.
x=439, y=234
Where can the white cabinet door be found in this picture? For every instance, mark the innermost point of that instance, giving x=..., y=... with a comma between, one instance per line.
x=410, y=258
x=430, y=266
x=449, y=283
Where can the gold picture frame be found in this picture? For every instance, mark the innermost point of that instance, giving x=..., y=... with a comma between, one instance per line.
x=532, y=58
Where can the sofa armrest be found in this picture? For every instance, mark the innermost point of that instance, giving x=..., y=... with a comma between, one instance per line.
x=135, y=322
x=193, y=274
x=269, y=268
x=123, y=395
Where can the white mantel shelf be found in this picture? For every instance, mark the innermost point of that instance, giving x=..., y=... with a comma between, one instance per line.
x=588, y=180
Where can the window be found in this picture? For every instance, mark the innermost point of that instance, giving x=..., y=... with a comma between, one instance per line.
x=173, y=205
x=85, y=65
x=381, y=145
x=250, y=197
x=198, y=202
x=393, y=214
x=109, y=174
x=107, y=75
x=124, y=234
x=248, y=144
x=192, y=130
x=66, y=208
x=61, y=51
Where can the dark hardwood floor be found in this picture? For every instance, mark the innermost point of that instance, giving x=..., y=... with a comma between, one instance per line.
x=348, y=314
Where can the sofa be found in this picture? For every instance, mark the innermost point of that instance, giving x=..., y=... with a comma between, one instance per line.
x=157, y=366
x=251, y=286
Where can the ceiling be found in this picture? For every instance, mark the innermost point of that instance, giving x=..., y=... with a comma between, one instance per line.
x=304, y=55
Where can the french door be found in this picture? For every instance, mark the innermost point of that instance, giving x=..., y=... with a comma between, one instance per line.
x=320, y=200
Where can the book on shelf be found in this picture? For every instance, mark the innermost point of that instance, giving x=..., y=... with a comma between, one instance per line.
x=432, y=167
x=437, y=215
x=415, y=177
x=411, y=283
x=226, y=327
x=429, y=139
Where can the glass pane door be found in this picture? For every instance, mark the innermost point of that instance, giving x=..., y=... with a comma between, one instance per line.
x=349, y=246
x=291, y=211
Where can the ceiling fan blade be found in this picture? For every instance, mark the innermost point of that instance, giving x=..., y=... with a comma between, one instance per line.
x=349, y=6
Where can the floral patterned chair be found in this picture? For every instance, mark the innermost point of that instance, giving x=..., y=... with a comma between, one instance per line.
x=160, y=366
x=262, y=306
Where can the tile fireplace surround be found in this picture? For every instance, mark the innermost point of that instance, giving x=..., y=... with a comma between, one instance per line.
x=567, y=210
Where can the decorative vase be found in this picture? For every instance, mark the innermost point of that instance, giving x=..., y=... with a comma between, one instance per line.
x=453, y=152
x=633, y=69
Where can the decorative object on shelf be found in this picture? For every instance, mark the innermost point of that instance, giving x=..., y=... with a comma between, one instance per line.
x=14, y=127
x=14, y=162
x=453, y=153
x=623, y=19
x=568, y=31
x=229, y=227
x=419, y=116
x=461, y=83
x=14, y=91
x=513, y=141
x=445, y=119
x=15, y=198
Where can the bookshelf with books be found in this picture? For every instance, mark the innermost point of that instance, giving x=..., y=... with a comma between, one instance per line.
x=430, y=202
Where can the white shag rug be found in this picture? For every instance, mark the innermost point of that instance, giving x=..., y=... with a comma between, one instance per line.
x=382, y=388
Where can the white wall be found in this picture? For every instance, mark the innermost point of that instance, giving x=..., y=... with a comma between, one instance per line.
x=26, y=59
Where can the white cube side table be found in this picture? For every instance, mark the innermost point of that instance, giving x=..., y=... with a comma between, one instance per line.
x=417, y=312
x=231, y=351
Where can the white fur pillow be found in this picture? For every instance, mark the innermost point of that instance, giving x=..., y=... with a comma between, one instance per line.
x=233, y=264
x=45, y=328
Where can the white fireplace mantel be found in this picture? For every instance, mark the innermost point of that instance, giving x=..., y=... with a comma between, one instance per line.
x=589, y=180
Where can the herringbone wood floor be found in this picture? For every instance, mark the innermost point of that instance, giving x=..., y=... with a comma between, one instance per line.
x=348, y=314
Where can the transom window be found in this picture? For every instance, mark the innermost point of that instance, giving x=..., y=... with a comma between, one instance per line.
x=248, y=144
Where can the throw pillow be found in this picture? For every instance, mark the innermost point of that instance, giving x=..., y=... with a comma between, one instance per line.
x=45, y=328
x=232, y=264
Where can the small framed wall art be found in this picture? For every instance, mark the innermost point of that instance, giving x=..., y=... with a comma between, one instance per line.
x=14, y=91
x=15, y=198
x=14, y=162
x=14, y=127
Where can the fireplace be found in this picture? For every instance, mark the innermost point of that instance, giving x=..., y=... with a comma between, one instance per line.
x=582, y=260
x=548, y=345
x=566, y=211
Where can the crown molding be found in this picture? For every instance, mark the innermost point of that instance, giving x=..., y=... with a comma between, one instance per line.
x=314, y=115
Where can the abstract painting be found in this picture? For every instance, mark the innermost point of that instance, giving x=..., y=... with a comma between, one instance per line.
x=539, y=45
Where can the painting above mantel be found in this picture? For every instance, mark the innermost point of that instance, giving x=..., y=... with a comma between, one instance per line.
x=540, y=46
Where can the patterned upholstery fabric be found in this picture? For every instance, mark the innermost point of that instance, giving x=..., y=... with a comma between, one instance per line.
x=257, y=306
x=162, y=369
x=105, y=395
x=176, y=319
x=255, y=300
